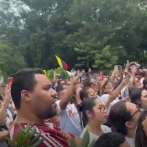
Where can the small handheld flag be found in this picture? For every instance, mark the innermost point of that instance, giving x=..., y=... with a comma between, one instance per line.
x=62, y=63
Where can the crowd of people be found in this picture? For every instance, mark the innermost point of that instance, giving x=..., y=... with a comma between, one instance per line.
x=111, y=108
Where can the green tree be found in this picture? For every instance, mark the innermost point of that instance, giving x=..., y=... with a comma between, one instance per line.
x=98, y=33
x=11, y=59
x=41, y=32
x=107, y=31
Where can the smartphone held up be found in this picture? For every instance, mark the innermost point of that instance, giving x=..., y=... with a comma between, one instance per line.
x=9, y=81
x=84, y=77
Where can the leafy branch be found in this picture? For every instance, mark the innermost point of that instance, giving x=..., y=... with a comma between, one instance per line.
x=84, y=142
x=26, y=137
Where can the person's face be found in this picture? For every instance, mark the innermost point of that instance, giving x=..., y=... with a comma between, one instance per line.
x=41, y=100
x=94, y=86
x=98, y=115
x=125, y=144
x=135, y=112
x=61, y=94
x=144, y=99
x=137, y=83
x=108, y=88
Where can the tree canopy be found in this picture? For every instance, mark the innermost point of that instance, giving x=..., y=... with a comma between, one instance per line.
x=84, y=33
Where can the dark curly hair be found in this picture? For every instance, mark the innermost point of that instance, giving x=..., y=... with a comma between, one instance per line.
x=110, y=140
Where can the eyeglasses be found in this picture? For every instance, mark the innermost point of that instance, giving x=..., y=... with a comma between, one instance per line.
x=138, y=110
x=103, y=109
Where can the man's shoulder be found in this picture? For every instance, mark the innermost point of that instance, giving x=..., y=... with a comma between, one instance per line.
x=50, y=133
x=47, y=127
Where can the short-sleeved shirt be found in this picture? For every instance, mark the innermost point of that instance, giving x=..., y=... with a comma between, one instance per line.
x=92, y=136
x=69, y=119
x=50, y=133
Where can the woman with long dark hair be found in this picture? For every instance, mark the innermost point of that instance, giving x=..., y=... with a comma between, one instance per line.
x=140, y=134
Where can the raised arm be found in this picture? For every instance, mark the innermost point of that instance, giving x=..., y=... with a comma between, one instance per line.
x=7, y=98
x=68, y=94
x=115, y=93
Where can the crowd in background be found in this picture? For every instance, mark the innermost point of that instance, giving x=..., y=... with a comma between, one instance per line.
x=111, y=108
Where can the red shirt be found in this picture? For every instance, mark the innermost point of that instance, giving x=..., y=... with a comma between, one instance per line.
x=50, y=133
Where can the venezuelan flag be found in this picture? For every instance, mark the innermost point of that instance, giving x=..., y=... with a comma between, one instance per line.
x=62, y=63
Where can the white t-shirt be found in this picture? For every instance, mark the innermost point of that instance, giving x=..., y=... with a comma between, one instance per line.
x=130, y=141
x=92, y=136
x=9, y=119
x=104, y=98
x=70, y=120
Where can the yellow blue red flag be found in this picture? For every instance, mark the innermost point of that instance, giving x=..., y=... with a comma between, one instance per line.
x=62, y=63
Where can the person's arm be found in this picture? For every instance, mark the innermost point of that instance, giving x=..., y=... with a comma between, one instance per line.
x=132, y=79
x=68, y=94
x=77, y=141
x=7, y=98
x=75, y=138
x=115, y=93
x=114, y=73
x=3, y=135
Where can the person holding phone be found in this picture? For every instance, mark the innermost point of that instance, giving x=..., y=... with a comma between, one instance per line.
x=3, y=116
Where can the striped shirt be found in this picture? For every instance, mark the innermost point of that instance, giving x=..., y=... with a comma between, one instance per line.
x=50, y=133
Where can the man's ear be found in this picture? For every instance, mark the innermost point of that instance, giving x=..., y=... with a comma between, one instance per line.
x=25, y=96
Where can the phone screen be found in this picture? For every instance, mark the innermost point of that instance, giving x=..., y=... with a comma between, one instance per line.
x=84, y=77
x=126, y=93
x=62, y=76
x=9, y=81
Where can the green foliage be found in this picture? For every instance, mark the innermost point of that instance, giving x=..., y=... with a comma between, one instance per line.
x=50, y=73
x=86, y=33
x=104, y=33
x=25, y=138
x=11, y=59
x=84, y=142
